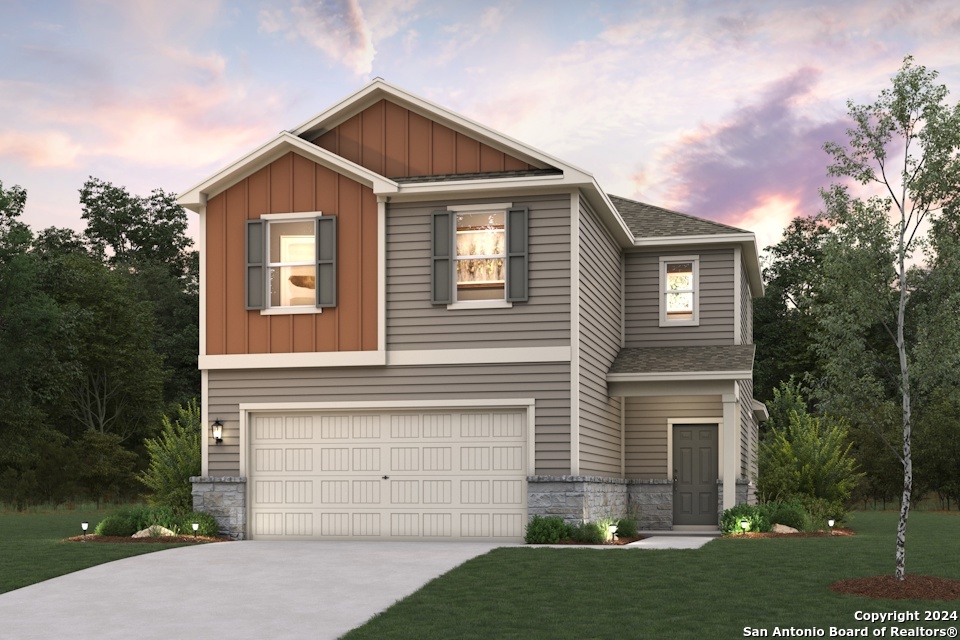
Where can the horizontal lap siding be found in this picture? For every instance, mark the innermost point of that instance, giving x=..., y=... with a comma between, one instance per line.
x=746, y=309
x=414, y=323
x=748, y=432
x=646, y=429
x=549, y=384
x=600, y=289
x=643, y=300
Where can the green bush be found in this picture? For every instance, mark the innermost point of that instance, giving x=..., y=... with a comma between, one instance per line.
x=820, y=510
x=588, y=533
x=549, y=530
x=174, y=457
x=627, y=528
x=129, y=520
x=755, y=515
x=208, y=524
x=790, y=514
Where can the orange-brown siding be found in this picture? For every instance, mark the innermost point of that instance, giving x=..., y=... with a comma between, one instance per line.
x=395, y=142
x=289, y=185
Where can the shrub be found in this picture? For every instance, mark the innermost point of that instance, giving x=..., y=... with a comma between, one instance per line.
x=174, y=457
x=208, y=524
x=791, y=514
x=588, y=533
x=820, y=510
x=627, y=528
x=755, y=515
x=549, y=530
x=129, y=520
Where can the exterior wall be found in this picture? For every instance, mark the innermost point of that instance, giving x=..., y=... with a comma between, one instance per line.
x=651, y=504
x=289, y=185
x=548, y=383
x=749, y=432
x=642, y=303
x=414, y=323
x=746, y=309
x=646, y=429
x=577, y=498
x=395, y=142
x=600, y=318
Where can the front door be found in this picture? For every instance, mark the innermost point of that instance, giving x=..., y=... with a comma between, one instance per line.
x=695, y=474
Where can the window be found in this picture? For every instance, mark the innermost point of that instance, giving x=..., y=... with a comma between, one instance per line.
x=291, y=263
x=679, y=291
x=479, y=256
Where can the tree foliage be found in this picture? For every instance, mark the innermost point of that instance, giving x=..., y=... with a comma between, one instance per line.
x=174, y=458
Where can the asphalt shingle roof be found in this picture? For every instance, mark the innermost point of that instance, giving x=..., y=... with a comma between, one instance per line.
x=684, y=359
x=648, y=221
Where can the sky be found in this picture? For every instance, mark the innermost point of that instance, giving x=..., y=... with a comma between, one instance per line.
x=718, y=109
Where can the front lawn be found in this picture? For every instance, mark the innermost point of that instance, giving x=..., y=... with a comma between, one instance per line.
x=713, y=592
x=31, y=549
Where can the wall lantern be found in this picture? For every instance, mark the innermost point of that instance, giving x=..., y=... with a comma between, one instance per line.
x=218, y=431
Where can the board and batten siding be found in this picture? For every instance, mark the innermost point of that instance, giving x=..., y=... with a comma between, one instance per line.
x=642, y=302
x=396, y=142
x=746, y=309
x=749, y=432
x=600, y=295
x=646, y=429
x=549, y=384
x=544, y=320
x=291, y=184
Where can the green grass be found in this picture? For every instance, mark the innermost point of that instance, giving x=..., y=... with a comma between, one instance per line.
x=31, y=549
x=713, y=592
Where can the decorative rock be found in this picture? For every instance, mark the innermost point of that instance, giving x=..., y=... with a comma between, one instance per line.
x=156, y=531
x=782, y=528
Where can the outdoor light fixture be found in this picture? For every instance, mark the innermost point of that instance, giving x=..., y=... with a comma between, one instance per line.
x=84, y=525
x=218, y=431
x=830, y=524
x=744, y=524
x=195, y=525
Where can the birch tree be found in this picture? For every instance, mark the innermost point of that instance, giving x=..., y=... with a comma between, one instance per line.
x=903, y=151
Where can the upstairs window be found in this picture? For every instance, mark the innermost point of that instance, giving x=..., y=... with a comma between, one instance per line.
x=679, y=291
x=293, y=271
x=481, y=254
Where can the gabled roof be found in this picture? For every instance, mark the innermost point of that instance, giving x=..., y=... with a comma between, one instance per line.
x=700, y=362
x=648, y=221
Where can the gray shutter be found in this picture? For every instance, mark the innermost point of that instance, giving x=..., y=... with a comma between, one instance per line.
x=256, y=264
x=517, y=241
x=327, y=261
x=441, y=266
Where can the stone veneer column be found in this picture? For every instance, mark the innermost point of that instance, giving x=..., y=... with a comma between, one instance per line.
x=224, y=498
x=576, y=498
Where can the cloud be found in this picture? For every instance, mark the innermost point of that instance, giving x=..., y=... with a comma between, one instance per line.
x=47, y=149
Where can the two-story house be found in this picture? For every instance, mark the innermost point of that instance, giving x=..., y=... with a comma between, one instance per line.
x=413, y=326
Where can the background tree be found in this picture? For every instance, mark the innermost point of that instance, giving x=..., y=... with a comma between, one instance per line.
x=905, y=144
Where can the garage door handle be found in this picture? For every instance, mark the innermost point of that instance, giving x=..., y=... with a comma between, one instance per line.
x=386, y=477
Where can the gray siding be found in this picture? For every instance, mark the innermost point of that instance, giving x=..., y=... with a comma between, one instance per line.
x=646, y=429
x=746, y=309
x=414, y=323
x=548, y=383
x=643, y=299
x=749, y=432
x=600, y=294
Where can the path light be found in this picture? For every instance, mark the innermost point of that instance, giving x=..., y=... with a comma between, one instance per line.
x=84, y=525
x=195, y=525
x=830, y=524
x=612, y=532
x=744, y=524
x=217, y=431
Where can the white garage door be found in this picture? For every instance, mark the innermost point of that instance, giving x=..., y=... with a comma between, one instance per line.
x=388, y=474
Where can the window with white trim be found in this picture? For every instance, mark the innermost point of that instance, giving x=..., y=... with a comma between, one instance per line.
x=679, y=291
x=480, y=256
x=292, y=263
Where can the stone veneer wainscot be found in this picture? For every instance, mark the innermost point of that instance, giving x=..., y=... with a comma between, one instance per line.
x=224, y=498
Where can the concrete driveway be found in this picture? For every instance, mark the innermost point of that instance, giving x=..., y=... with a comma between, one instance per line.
x=256, y=590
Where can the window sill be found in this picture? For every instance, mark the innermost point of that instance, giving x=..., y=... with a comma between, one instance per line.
x=480, y=304
x=679, y=323
x=289, y=311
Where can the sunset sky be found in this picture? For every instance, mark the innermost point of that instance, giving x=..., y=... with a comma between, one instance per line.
x=718, y=109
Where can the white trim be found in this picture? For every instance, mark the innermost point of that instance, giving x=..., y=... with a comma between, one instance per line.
x=623, y=437
x=382, y=275
x=623, y=300
x=575, y=333
x=495, y=206
x=306, y=215
x=716, y=421
x=504, y=355
x=203, y=275
x=760, y=412
x=204, y=423
x=480, y=304
x=681, y=376
x=737, y=295
x=661, y=294
x=289, y=311
x=718, y=238
x=731, y=445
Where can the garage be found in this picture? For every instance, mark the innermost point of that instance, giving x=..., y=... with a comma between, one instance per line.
x=385, y=474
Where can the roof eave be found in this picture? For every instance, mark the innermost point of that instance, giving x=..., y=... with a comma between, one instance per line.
x=674, y=376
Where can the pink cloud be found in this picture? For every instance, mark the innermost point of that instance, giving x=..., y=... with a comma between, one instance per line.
x=47, y=149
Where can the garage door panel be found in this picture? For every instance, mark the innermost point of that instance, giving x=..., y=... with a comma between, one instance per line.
x=396, y=474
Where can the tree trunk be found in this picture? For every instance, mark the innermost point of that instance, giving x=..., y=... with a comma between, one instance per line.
x=905, y=391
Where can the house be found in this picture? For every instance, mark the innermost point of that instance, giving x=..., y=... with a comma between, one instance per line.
x=413, y=326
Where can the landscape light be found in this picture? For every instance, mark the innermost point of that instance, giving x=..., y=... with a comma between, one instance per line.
x=84, y=525
x=744, y=524
x=195, y=525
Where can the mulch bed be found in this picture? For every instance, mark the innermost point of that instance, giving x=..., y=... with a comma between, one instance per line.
x=839, y=532
x=619, y=542
x=913, y=587
x=157, y=540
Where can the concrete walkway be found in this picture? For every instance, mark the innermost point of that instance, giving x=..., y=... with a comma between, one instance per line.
x=237, y=590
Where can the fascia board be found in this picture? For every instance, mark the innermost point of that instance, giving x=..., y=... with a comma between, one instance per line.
x=679, y=376
x=760, y=410
x=270, y=151
x=609, y=214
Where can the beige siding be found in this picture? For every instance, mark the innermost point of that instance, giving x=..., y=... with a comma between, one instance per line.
x=646, y=429
x=548, y=383
x=746, y=309
x=600, y=292
x=414, y=323
x=716, y=300
x=749, y=434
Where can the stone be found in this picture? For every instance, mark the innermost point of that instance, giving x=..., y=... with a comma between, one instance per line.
x=782, y=528
x=156, y=531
